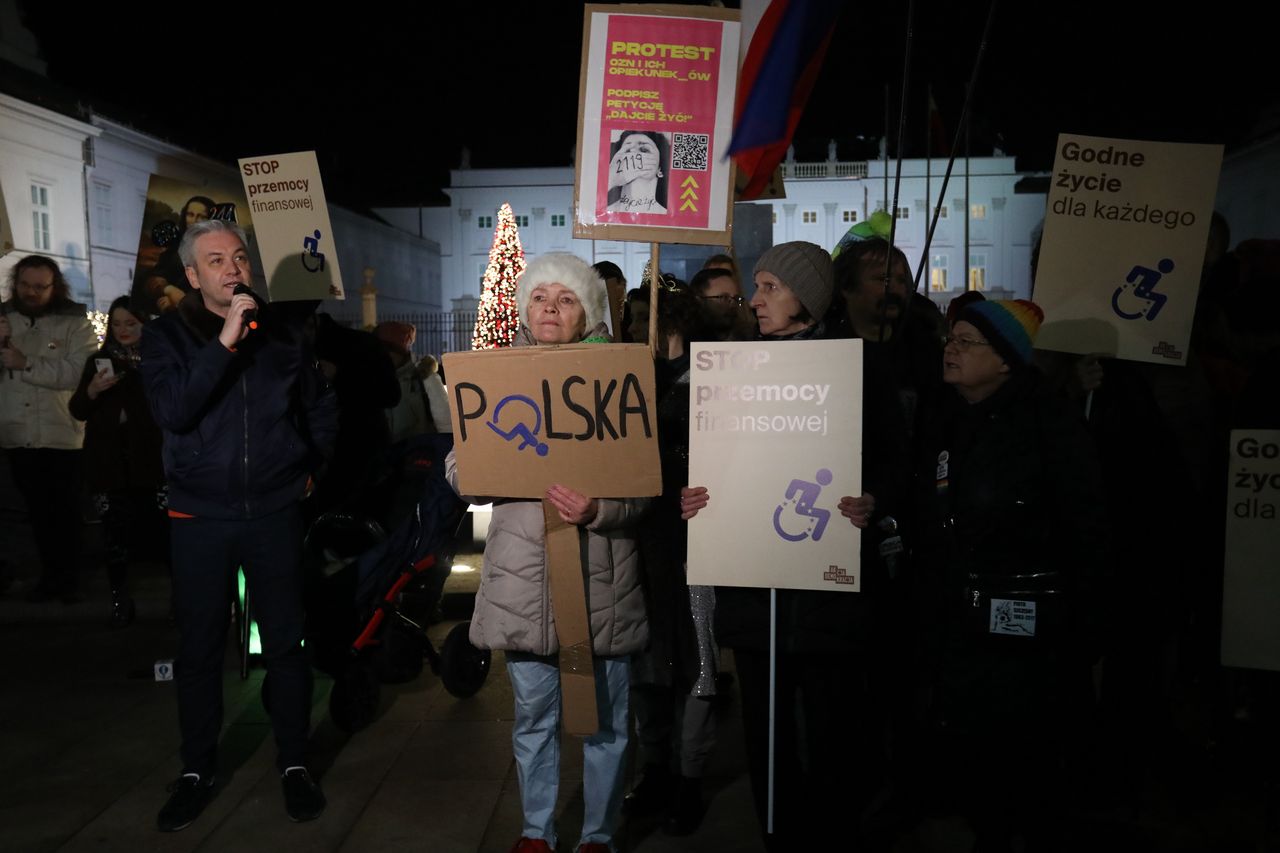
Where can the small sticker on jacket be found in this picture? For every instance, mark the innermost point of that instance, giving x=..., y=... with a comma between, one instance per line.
x=1016, y=618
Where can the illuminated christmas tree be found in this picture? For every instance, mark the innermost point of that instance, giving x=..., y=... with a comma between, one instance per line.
x=497, y=318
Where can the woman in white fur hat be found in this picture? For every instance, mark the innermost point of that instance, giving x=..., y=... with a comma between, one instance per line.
x=561, y=300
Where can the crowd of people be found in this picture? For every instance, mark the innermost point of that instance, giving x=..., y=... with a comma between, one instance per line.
x=993, y=476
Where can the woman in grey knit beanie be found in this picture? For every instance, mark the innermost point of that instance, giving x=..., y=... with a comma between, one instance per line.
x=794, y=283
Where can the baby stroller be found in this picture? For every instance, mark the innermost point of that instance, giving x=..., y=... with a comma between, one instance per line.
x=371, y=592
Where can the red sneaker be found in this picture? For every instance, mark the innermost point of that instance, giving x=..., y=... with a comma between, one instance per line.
x=532, y=845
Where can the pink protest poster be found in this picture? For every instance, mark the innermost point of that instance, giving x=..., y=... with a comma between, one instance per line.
x=655, y=120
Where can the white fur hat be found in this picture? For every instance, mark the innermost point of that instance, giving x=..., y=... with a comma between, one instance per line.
x=572, y=272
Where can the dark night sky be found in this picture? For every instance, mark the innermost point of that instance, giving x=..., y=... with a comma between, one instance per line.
x=409, y=86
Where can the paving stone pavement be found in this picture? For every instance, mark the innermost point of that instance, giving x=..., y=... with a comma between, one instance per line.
x=89, y=740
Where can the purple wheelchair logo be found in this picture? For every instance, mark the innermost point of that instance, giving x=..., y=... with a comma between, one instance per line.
x=311, y=251
x=1143, y=280
x=799, y=504
x=528, y=435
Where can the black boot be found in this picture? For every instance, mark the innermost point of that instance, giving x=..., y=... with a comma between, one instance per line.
x=651, y=795
x=122, y=609
x=688, y=808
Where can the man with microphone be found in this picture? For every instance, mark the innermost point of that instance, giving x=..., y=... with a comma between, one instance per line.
x=247, y=417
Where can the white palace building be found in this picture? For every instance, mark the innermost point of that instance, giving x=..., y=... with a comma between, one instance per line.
x=1005, y=210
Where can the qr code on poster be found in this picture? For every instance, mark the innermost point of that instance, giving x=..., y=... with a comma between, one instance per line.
x=690, y=151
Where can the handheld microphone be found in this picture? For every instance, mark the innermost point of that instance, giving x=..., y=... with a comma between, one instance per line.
x=251, y=315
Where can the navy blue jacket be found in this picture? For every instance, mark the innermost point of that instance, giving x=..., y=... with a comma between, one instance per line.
x=243, y=430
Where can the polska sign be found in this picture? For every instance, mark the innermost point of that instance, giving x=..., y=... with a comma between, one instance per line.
x=582, y=416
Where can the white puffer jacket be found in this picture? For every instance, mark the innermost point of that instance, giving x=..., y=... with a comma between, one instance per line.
x=513, y=607
x=33, y=402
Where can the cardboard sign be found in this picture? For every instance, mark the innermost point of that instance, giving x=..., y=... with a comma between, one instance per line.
x=1124, y=242
x=299, y=257
x=159, y=279
x=657, y=91
x=775, y=434
x=573, y=624
x=1251, y=577
x=582, y=415
x=6, y=231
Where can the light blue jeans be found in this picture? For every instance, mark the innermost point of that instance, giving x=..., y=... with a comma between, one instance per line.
x=535, y=739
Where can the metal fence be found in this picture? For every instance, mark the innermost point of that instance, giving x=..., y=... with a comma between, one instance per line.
x=439, y=332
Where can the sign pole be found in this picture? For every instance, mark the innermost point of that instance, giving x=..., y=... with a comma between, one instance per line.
x=654, y=275
x=773, y=698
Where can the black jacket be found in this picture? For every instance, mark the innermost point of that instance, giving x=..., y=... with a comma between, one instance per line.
x=243, y=429
x=1017, y=493
x=121, y=440
x=833, y=622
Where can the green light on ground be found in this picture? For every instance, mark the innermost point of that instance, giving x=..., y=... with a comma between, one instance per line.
x=255, y=643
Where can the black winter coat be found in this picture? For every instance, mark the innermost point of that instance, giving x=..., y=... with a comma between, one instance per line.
x=1008, y=486
x=832, y=622
x=121, y=439
x=243, y=429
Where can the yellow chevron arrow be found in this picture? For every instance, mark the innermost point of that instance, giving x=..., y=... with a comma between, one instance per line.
x=689, y=205
x=689, y=180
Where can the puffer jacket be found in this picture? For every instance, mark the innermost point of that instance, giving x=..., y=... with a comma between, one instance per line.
x=33, y=402
x=513, y=608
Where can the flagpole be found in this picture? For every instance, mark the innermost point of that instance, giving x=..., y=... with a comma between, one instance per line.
x=897, y=178
x=928, y=162
x=968, y=209
x=955, y=145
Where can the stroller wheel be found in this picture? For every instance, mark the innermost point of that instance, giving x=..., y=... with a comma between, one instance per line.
x=354, y=698
x=463, y=667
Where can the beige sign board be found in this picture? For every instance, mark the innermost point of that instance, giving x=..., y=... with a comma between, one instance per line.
x=1251, y=576
x=656, y=97
x=775, y=434
x=295, y=237
x=6, y=229
x=1124, y=241
x=582, y=416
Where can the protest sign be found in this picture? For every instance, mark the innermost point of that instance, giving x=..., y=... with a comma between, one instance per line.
x=775, y=434
x=6, y=231
x=159, y=278
x=295, y=239
x=581, y=415
x=1251, y=571
x=1124, y=241
x=657, y=90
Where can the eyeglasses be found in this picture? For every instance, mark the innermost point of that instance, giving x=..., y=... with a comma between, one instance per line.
x=962, y=344
x=726, y=299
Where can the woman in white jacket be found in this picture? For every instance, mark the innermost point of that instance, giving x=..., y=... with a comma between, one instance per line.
x=561, y=300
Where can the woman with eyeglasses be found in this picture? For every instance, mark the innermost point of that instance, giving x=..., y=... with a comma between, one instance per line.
x=1012, y=545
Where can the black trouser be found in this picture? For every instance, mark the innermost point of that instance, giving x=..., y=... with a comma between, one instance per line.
x=206, y=553
x=50, y=480
x=129, y=518
x=825, y=728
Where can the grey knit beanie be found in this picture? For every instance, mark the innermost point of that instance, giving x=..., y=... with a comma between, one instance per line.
x=806, y=269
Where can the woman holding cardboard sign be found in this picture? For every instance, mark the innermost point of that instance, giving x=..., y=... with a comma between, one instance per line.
x=562, y=301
